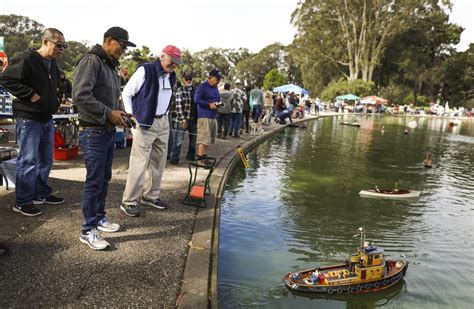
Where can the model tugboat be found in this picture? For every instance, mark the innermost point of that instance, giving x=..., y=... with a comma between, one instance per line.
x=365, y=271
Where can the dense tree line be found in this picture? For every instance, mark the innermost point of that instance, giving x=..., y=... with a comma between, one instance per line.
x=400, y=50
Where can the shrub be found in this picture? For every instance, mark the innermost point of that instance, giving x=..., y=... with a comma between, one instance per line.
x=341, y=87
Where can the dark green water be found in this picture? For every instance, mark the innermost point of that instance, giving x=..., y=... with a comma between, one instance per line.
x=297, y=206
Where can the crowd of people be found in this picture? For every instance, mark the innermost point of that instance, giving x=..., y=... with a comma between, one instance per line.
x=160, y=108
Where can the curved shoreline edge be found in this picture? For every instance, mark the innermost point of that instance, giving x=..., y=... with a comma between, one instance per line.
x=199, y=283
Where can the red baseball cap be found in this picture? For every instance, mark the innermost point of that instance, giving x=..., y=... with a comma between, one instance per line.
x=175, y=53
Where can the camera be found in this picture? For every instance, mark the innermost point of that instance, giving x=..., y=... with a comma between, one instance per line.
x=219, y=104
x=129, y=121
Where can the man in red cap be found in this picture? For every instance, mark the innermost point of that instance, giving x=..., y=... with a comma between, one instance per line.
x=147, y=96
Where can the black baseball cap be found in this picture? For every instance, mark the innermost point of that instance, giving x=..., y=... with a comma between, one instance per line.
x=188, y=75
x=119, y=34
x=215, y=73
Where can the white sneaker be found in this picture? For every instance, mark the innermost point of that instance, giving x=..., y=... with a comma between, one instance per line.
x=93, y=240
x=105, y=226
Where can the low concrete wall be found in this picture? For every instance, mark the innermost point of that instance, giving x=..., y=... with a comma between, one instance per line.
x=199, y=288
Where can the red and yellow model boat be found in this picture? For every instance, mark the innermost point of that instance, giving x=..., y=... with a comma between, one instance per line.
x=366, y=271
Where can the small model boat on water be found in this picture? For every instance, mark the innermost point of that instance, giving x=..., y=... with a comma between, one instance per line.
x=428, y=162
x=392, y=194
x=366, y=271
x=354, y=124
x=454, y=122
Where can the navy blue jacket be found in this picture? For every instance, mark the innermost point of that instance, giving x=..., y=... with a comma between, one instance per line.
x=206, y=94
x=144, y=103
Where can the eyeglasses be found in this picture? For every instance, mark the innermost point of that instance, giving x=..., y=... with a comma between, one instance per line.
x=59, y=45
x=164, y=85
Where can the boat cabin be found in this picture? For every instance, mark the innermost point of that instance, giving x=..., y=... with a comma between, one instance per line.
x=368, y=262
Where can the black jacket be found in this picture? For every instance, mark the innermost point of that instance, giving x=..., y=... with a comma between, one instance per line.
x=64, y=89
x=26, y=75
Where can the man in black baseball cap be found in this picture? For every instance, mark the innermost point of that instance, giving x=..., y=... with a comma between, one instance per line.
x=216, y=74
x=120, y=35
x=96, y=93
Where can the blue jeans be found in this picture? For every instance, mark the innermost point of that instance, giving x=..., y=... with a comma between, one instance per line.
x=34, y=161
x=283, y=115
x=235, y=123
x=178, y=137
x=98, y=148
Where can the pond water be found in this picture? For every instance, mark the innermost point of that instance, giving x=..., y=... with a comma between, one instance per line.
x=297, y=207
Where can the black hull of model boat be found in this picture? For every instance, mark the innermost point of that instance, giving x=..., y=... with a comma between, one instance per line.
x=357, y=125
x=363, y=287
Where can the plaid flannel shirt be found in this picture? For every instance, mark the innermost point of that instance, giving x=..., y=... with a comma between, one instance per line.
x=183, y=102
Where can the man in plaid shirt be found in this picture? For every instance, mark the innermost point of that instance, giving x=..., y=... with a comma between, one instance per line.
x=186, y=119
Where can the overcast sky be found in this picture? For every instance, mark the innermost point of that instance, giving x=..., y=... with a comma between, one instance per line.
x=195, y=25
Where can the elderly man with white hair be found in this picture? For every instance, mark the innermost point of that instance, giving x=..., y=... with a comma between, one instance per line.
x=147, y=96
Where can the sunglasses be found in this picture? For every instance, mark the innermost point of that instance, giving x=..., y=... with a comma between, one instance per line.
x=59, y=45
x=122, y=44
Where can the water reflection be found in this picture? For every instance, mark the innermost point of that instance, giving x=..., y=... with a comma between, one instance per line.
x=297, y=206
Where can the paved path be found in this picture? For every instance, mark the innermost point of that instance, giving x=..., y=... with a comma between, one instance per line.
x=48, y=266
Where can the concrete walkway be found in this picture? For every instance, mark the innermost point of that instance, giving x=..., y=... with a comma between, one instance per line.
x=160, y=259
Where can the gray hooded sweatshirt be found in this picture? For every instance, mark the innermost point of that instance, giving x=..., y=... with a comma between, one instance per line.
x=227, y=97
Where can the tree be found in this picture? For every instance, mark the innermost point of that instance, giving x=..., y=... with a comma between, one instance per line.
x=456, y=75
x=358, y=87
x=71, y=56
x=136, y=57
x=413, y=57
x=252, y=70
x=20, y=32
x=274, y=78
x=353, y=35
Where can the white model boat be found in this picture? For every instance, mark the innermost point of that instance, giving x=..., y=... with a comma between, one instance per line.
x=390, y=194
x=412, y=124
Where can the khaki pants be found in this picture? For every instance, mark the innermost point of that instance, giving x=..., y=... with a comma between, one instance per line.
x=206, y=131
x=147, y=162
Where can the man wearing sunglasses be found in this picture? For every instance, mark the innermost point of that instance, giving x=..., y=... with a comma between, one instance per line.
x=96, y=93
x=186, y=119
x=147, y=96
x=33, y=78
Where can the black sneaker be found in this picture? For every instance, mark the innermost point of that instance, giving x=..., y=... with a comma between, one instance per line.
x=171, y=161
x=52, y=200
x=156, y=203
x=28, y=210
x=3, y=250
x=130, y=210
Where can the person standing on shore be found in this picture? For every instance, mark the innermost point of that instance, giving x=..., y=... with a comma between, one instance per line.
x=207, y=98
x=33, y=78
x=148, y=96
x=237, y=105
x=223, y=112
x=256, y=97
x=268, y=106
x=185, y=118
x=96, y=93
